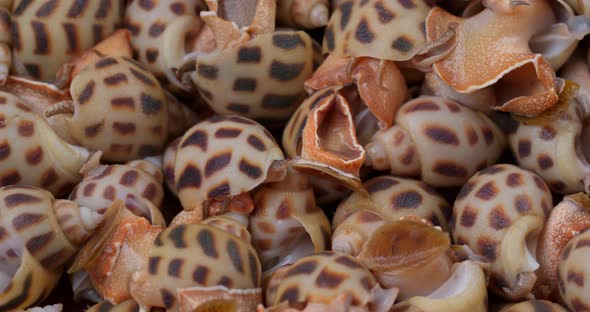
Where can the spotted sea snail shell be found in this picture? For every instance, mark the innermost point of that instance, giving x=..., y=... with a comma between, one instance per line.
x=189, y=255
x=260, y=79
x=499, y=214
x=117, y=107
x=286, y=224
x=566, y=220
x=104, y=184
x=105, y=306
x=323, y=277
x=40, y=235
x=386, y=30
x=31, y=153
x=437, y=140
x=573, y=273
x=46, y=34
x=163, y=32
x=222, y=157
x=389, y=200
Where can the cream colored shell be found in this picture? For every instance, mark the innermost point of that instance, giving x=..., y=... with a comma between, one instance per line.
x=222, y=156
x=321, y=278
x=499, y=214
x=32, y=154
x=194, y=255
x=98, y=190
x=389, y=29
x=46, y=34
x=158, y=30
x=551, y=148
x=393, y=198
x=260, y=79
x=446, y=142
x=120, y=109
x=574, y=273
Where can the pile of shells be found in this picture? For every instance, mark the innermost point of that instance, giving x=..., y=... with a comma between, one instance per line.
x=294, y=155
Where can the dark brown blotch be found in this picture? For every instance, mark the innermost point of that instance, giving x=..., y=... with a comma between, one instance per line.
x=153, y=264
x=244, y=85
x=86, y=93
x=545, y=161
x=407, y=200
x=156, y=29
x=150, y=105
x=285, y=72
x=487, y=191
x=217, y=163
x=26, y=128
x=468, y=217
x=402, y=44
x=363, y=33
x=256, y=143
x=498, y=218
x=524, y=148
x=380, y=184
x=124, y=128
x=287, y=41
x=175, y=267
x=190, y=177
x=450, y=169
x=233, y=252
x=26, y=220
x=330, y=279
x=227, y=133
x=345, y=11
x=249, y=169
x=206, y=240
x=18, y=199
x=197, y=138
x=115, y=79
x=219, y=191
x=514, y=180
x=440, y=134
x=522, y=203
x=200, y=275
x=385, y=15
x=487, y=247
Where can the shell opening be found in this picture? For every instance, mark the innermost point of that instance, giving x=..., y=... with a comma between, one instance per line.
x=456, y=284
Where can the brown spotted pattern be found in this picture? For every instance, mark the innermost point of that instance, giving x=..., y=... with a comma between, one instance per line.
x=210, y=163
x=32, y=154
x=320, y=278
x=438, y=140
x=194, y=255
x=47, y=33
x=287, y=223
x=30, y=217
x=550, y=149
x=122, y=117
x=574, y=273
x=106, y=184
x=383, y=29
x=168, y=164
x=158, y=32
x=491, y=208
x=261, y=79
x=390, y=199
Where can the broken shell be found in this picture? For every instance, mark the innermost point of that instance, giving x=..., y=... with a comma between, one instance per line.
x=380, y=84
x=386, y=30
x=286, y=224
x=105, y=306
x=303, y=13
x=118, y=108
x=225, y=156
x=481, y=100
x=163, y=33
x=47, y=34
x=534, y=306
x=497, y=38
x=553, y=148
x=260, y=79
x=32, y=154
x=499, y=213
x=40, y=235
x=104, y=184
x=573, y=272
x=322, y=277
x=464, y=291
x=570, y=217
x=118, y=248
x=329, y=136
x=190, y=255
x=437, y=139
